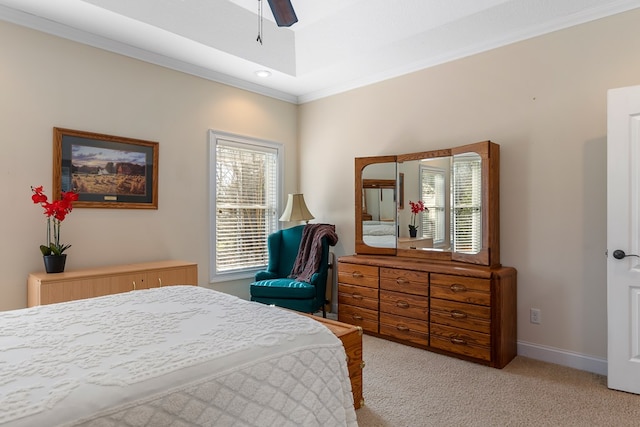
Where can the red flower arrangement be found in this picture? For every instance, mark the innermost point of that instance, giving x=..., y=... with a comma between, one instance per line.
x=416, y=208
x=55, y=212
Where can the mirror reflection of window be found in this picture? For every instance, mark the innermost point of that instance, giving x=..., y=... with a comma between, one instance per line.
x=467, y=203
x=433, y=194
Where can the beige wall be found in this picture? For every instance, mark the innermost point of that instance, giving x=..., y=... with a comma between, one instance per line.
x=46, y=81
x=544, y=102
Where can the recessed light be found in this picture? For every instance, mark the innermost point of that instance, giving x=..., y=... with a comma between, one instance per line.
x=263, y=73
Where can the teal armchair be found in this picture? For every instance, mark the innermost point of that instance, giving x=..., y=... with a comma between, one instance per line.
x=274, y=286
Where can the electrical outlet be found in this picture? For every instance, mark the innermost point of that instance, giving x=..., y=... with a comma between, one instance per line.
x=535, y=316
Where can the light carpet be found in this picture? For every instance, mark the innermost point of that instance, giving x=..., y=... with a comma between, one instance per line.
x=406, y=386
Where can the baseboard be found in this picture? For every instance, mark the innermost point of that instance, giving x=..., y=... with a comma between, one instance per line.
x=563, y=357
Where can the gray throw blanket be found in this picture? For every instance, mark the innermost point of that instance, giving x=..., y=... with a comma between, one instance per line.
x=310, y=253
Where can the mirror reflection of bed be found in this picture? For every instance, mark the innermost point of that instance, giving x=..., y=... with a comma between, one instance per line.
x=380, y=234
x=379, y=212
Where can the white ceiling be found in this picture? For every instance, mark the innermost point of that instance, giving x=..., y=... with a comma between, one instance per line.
x=337, y=45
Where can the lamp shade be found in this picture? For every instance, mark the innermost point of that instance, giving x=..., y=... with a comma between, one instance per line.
x=296, y=209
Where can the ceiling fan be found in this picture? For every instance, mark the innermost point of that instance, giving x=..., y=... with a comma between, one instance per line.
x=283, y=12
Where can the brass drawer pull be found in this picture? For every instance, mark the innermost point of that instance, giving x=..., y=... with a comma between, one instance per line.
x=356, y=296
x=458, y=341
x=356, y=317
x=402, y=304
x=357, y=274
x=362, y=365
x=160, y=281
x=458, y=314
x=401, y=281
x=402, y=328
x=457, y=288
x=134, y=285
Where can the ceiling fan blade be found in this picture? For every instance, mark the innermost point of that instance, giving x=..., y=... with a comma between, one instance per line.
x=283, y=12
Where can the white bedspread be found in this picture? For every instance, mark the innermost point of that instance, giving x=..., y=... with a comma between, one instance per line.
x=171, y=356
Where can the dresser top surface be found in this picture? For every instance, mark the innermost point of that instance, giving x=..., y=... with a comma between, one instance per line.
x=444, y=267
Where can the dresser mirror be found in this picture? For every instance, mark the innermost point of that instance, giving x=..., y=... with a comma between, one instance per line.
x=459, y=189
x=380, y=204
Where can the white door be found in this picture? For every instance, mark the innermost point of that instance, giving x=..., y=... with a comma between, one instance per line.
x=623, y=238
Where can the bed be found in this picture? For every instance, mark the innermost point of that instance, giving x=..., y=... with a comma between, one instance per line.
x=175, y=355
x=381, y=234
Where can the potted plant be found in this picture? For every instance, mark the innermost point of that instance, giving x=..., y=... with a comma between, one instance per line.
x=55, y=211
x=416, y=208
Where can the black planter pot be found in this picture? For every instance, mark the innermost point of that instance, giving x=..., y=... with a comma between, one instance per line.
x=413, y=232
x=54, y=263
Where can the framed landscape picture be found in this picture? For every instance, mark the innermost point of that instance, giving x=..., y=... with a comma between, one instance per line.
x=106, y=171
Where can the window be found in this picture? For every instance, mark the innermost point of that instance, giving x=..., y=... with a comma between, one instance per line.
x=467, y=203
x=245, y=177
x=432, y=189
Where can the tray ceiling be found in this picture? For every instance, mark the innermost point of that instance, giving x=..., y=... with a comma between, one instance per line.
x=337, y=45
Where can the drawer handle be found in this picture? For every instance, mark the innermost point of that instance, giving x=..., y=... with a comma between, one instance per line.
x=362, y=365
x=457, y=288
x=356, y=317
x=458, y=314
x=458, y=341
x=134, y=285
x=402, y=304
x=160, y=281
x=356, y=296
x=402, y=328
x=357, y=274
x=401, y=281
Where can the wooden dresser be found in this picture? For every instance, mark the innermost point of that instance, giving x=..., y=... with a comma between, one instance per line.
x=458, y=309
x=43, y=288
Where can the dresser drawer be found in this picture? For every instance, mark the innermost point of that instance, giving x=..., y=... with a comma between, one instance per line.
x=405, y=328
x=356, y=274
x=461, y=315
x=412, y=282
x=469, y=343
x=414, y=306
x=459, y=288
x=358, y=316
x=360, y=296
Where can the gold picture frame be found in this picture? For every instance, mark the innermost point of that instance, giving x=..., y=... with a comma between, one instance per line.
x=106, y=171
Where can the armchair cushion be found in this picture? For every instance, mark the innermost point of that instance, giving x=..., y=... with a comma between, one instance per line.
x=283, y=288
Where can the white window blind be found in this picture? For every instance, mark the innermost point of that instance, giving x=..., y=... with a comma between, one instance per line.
x=467, y=204
x=245, y=205
x=432, y=189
